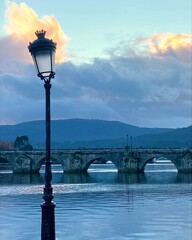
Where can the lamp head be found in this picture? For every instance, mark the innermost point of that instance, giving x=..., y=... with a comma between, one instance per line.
x=43, y=53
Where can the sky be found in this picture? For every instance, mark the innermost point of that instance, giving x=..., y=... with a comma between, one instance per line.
x=118, y=60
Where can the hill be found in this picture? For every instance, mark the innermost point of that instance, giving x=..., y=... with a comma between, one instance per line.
x=94, y=133
x=178, y=138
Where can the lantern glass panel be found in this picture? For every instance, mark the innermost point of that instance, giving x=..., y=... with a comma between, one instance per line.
x=53, y=60
x=44, y=61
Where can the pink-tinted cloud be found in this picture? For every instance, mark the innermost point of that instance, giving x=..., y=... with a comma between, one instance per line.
x=147, y=83
x=169, y=44
x=22, y=22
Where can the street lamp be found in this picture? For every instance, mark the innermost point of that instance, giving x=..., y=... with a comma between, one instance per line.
x=43, y=54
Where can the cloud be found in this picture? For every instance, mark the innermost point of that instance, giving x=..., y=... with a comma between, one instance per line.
x=146, y=89
x=140, y=89
x=169, y=44
x=22, y=23
x=145, y=82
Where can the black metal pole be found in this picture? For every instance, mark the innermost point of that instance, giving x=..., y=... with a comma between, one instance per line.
x=127, y=140
x=48, y=207
x=131, y=138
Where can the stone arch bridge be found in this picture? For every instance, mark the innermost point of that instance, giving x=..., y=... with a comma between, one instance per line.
x=79, y=160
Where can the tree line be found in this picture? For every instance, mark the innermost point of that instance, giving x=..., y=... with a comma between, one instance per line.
x=21, y=143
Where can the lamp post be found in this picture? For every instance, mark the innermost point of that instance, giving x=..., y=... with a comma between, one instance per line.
x=43, y=54
x=131, y=142
x=127, y=141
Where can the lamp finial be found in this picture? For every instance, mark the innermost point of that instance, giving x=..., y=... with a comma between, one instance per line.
x=40, y=34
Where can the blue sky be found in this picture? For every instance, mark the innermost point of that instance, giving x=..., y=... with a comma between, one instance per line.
x=125, y=60
x=94, y=26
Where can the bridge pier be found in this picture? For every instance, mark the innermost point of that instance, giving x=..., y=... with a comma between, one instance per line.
x=129, y=162
x=21, y=161
x=184, y=164
x=24, y=164
x=73, y=163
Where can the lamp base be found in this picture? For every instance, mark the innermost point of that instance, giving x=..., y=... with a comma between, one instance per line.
x=48, y=221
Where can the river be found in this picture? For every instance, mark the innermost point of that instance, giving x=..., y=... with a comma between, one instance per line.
x=100, y=205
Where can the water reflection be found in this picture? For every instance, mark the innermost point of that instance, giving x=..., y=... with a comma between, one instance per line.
x=27, y=178
x=10, y=178
x=75, y=178
x=161, y=177
x=184, y=178
x=106, y=173
x=131, y=178
x=103, y=203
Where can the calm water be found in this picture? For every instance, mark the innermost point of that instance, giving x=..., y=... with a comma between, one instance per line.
x=100, y=205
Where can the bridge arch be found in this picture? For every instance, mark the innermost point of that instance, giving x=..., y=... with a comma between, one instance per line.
x=6, y=158
x=151, y=160
x=41, y=161
x=171, y=157
x=5, y=163
x=90, y=162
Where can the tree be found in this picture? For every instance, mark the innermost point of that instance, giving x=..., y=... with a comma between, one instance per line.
x=22, y=143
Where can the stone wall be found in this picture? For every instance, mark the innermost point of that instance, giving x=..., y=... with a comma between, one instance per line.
x=125, y=160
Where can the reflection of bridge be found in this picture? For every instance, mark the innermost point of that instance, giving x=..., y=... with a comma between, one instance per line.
x=79, y=160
